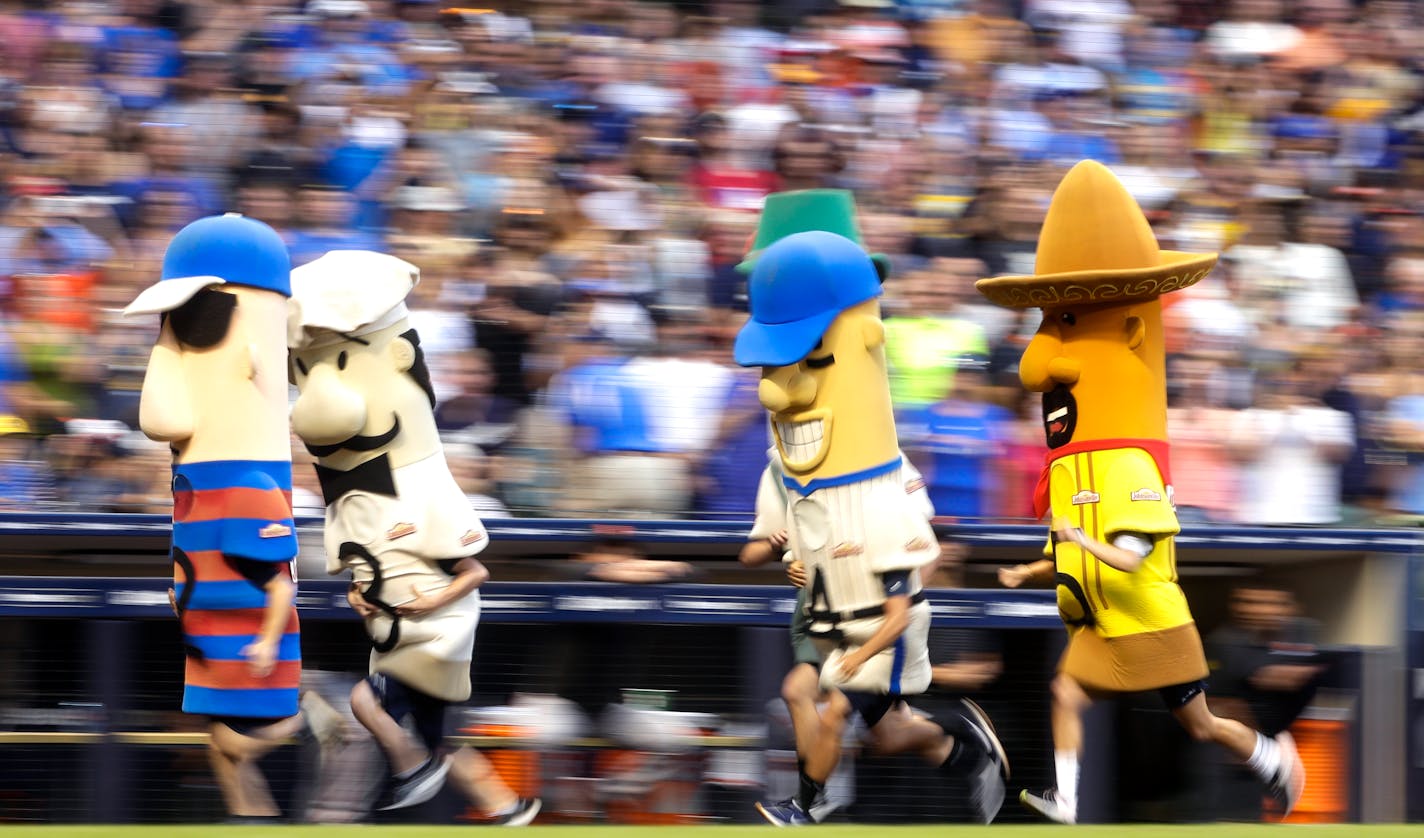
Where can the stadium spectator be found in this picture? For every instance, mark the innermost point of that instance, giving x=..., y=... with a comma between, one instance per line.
x=633, y=143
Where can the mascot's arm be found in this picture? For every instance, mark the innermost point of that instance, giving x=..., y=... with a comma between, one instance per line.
x=261, y=654
x=1127, y=554
x=897, y=619
x=470, y=573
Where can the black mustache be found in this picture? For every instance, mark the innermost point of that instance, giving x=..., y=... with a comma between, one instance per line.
x=358, y=442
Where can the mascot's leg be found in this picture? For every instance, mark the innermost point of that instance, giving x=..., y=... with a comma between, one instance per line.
x=234, y=754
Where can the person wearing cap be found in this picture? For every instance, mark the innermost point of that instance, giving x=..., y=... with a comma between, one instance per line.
x=215, y=391
x=815, y=331
x=395, y=517
x=1099, y=360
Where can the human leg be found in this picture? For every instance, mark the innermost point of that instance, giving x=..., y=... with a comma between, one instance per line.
x=478, y=781
x=401, y=751
x=233, y=752
x=380, y=703
x=1273, y=760
x=823, y=751
x=800, y=689
x=1070, y=701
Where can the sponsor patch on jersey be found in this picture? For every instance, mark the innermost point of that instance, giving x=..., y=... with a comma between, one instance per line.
x=400, y=530
x=274, y=530
x=1145, y=494
x=471, y=537
x=846, y=549
x=914, y=486
x=1086, y=496
x=915, y=545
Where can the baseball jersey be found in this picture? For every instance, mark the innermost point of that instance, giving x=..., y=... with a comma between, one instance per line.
x=226, y=512
x=847, y=536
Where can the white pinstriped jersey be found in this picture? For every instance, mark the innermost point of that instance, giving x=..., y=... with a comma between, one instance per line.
x=851, y=534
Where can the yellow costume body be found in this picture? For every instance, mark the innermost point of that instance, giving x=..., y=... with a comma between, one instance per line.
x=1127, y=631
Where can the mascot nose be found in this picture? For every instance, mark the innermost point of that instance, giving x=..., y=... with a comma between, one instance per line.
x=327, y=411
x=798, y=392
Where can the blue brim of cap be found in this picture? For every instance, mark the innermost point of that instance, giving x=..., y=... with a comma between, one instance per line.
x=779, y=344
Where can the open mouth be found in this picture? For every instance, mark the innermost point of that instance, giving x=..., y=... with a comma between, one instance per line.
x=1060, y=416
x=802, y=443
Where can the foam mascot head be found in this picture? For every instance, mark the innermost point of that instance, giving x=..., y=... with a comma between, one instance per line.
x=815, y=330
x=365, y=409
x=216, y=391
x=1098, y=356
x=216, y=385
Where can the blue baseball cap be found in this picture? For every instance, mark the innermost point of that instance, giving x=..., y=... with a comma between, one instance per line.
x=799, y=285
x=229, y=249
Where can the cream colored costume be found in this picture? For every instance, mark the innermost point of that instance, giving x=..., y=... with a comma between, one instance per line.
x=428, y=519
x=394, y=512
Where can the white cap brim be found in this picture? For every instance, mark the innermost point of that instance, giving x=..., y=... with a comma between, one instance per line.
x=169, y=294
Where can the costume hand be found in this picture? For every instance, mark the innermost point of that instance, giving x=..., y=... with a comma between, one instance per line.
x=422, y=604
x=358, y=603
x=796, y=572
x=261, y=657
x=1013, y=577
x=848, y=666
x=778, y=539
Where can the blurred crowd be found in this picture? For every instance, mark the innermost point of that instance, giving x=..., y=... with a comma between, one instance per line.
x=577, y=182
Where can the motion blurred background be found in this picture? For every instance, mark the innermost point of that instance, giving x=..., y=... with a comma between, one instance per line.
x=577, y=181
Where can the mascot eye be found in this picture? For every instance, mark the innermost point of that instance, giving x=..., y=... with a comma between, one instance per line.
x=1068, y=319
x=341, y=361
x=301, y=366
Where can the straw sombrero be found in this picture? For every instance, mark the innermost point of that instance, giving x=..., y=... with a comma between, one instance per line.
x=1096, y=247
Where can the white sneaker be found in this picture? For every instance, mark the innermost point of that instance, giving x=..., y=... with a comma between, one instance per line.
x=1289, y=783
x=1048, y=805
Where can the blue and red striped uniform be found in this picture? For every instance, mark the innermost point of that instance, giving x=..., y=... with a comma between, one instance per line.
x=226, y=513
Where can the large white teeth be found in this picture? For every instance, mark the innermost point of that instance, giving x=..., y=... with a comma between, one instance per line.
x=800, y=440
x=1058, y=414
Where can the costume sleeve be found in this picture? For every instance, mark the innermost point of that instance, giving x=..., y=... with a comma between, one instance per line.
x=770, y=507
x=916, y=487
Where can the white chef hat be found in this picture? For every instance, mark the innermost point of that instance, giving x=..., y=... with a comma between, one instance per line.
x=346, y=294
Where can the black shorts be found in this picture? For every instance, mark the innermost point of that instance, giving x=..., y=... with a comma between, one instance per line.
x=1177, y=696
x=426, y=712
x=245, y=725
x=871, y=707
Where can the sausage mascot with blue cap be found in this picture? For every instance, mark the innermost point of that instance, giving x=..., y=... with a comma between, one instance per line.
x=216, y=391
x=1099, y=359
x=849, y=515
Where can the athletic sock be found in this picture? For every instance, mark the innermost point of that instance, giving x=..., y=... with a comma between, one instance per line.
x=1065, y=764
x=1265, y=760
x=809, y=791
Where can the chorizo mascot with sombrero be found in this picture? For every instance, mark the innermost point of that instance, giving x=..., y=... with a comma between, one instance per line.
x=1099, y=360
